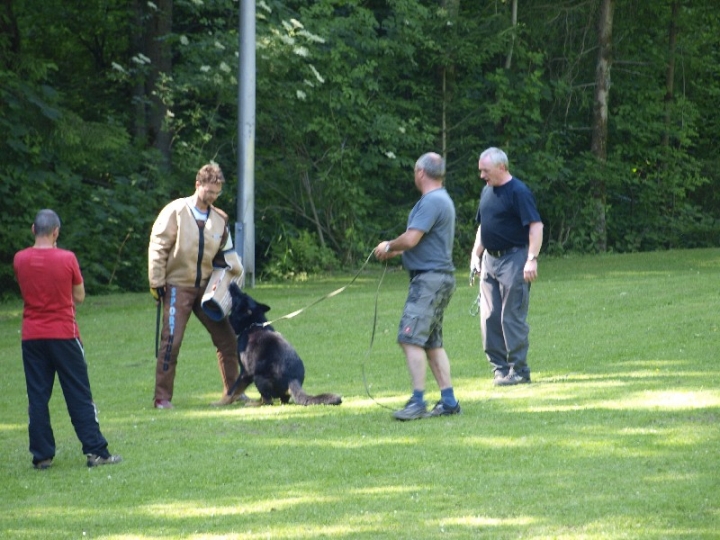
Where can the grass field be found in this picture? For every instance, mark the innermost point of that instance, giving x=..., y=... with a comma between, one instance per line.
x=616, y=438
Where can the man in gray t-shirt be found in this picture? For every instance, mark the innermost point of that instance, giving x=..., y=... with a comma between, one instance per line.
x=426, y=248
x=434, y=215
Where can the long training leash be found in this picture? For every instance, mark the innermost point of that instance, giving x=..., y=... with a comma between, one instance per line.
x=334, y=293
x=374, y=325
x=157, y=327
x=473, y=311
x=372, y=341
x=330, y=295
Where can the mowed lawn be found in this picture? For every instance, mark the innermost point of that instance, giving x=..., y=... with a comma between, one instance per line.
x=618, y=436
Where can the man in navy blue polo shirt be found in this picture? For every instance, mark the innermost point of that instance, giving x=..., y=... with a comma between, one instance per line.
x=508, y=239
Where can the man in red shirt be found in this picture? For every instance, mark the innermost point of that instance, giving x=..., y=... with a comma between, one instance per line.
x=52, y=285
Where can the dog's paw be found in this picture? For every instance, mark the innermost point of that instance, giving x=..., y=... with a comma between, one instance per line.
x=253, y=403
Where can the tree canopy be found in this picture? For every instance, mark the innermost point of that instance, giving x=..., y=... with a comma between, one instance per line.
x=606, y=108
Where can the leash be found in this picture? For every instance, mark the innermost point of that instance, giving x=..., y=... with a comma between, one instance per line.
x=372, y=341
x=334, y=293
x=299, y=311
x=374, y=327
x=157, y=327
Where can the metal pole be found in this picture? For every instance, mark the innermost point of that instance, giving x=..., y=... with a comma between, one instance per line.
x=245, y=224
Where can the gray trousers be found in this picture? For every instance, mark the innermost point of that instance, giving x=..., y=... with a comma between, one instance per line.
x=503, y=312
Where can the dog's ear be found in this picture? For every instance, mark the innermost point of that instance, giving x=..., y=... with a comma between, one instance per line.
x=255, y=306
x=239, y=298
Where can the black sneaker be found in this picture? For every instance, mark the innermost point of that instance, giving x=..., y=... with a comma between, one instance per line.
x=441, y=409
x=95, y=460
x=43, y=464
x=412, y=411
x=512, y=379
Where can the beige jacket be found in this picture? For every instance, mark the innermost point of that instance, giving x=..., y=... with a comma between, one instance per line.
x=179, y=252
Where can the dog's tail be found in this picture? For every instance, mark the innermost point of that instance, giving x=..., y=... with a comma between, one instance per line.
x=301, y=398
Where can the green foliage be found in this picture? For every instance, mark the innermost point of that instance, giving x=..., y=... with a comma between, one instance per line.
x=88, y=171
x=82, y=40
x=27, y=113
x=349, y=94
x=333, y=123
x=201, y=93
x=293, y=256
x=77, y=168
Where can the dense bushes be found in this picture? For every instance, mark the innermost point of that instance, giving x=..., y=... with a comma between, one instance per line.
x=348, y=96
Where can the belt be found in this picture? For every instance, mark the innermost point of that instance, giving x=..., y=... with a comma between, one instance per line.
x=501, y=252
x=414, y=273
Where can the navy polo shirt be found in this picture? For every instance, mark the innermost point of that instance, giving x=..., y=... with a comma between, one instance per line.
x=505, y=213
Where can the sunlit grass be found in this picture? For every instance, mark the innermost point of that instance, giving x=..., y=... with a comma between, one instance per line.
x=616, y=438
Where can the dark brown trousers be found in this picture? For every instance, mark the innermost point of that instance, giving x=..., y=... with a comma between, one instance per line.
x=178, y=304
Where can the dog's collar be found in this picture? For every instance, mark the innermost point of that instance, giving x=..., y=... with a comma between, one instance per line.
x=254, y=327
x=259, y=326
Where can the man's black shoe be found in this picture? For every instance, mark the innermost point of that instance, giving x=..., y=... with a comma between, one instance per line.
x=43, y=465
x=413, y=411
x=440, y=409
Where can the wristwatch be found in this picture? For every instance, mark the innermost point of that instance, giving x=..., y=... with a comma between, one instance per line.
x=387, y=247
x=532, y=257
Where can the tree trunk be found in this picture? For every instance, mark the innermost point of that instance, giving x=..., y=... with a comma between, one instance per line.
x=600, y=120
x=670, y=73
x=452, y=8
x=311, y=200
x=158, y=50
x=508, y=59
x=140, y=133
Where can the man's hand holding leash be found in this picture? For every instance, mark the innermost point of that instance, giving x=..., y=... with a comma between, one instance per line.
x=157, y=293
x=383, y=251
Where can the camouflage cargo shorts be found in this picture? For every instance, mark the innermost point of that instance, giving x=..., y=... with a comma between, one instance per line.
x=422, y=320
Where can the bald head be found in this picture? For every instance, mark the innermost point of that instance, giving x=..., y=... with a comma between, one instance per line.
x=433, y=164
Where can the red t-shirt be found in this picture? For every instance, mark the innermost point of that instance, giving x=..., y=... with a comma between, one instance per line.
x=46, y=278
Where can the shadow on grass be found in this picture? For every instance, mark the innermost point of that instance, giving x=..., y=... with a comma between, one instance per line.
x=505, y=468
x=599, y=446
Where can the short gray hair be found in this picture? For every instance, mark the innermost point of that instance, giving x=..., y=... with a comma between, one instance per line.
x=433, y=165
x=46, y=221
x=496, y=156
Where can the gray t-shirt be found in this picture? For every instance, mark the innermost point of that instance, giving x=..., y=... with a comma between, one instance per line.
x=434, y=215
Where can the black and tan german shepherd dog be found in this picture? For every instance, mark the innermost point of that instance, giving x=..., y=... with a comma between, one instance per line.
x=267, y=358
